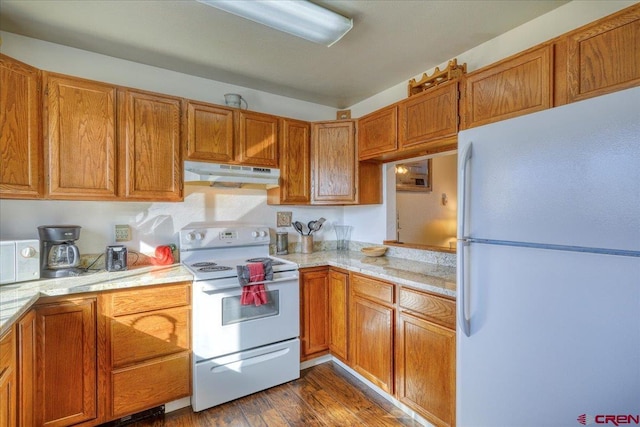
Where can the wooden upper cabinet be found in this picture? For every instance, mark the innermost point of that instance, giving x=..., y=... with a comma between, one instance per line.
x=378, y=133
x=257, y=142
x=20, y=130
x=519, y=85
x=150, y=138
x=295, y=164
x=80, y=138
x=429, y=116
x=333, y=159
x=605, y=56
x=210, y=133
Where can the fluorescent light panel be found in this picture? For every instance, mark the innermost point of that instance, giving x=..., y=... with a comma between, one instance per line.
x=296, y=17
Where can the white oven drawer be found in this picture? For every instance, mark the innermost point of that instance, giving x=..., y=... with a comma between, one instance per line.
x=229, y=377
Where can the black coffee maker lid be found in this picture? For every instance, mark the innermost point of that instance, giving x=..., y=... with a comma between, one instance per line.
x=59, y=233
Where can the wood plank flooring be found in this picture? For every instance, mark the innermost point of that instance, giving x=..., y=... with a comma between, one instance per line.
x=325, y=395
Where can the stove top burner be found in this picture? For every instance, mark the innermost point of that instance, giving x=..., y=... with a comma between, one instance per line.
x=214, y=268
x=263, y=259
x=203, y=264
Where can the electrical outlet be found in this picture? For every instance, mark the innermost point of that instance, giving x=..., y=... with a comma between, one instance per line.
x=123, y=233
x=283, y=219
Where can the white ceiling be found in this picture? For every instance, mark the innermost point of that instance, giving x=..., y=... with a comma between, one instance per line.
x=391, y=40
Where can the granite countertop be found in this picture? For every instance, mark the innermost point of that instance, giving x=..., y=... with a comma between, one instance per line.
x=15, y=299
x=425, y=276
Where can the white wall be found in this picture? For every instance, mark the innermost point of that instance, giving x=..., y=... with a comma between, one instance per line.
x=381, y=222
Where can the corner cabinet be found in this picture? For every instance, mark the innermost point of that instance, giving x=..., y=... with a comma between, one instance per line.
x=295, y=165
x=20, y=130
x=150, y=138
x=80, y=138
x=518, y=85
x=338, y=313
x=314, y=312
x=426, y=355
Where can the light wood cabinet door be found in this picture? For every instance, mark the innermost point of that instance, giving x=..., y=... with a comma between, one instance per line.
x=210, y=133
x=371, y=330
x=20, y=130
x=605, y=56
x=8, y=382
x=378, y=133
x=295, y=164
x=150, y=138
x=513, y=87
x=257, y=142
x=429, y=116
x=338, y=313
x=314, y=289
x=66, y=380
x=80, y=157
x=333, y=163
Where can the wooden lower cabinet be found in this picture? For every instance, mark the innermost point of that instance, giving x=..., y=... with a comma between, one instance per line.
x=26, y=334
x=66, y=354
x=426, y=355
x=314, y=312
x=148, y=335
x=371, y=330
x=8, y=383
x=338, y=313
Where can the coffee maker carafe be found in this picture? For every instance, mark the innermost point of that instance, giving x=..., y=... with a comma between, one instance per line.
x=59, y=256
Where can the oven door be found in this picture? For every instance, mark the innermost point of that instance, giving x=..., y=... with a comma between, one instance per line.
x=222, y=325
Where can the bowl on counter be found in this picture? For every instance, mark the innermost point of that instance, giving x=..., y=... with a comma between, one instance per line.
x=374, y=251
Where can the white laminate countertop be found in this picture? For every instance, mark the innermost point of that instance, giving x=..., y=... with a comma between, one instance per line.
x=17, y=298
x=434, y=278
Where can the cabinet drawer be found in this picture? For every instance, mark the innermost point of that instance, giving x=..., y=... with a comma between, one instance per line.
x=152, y=298
x=150, y=384
x=431, y=307
x=372, y=289
x=142, y=336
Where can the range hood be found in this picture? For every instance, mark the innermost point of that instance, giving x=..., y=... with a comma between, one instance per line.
x=230, y=176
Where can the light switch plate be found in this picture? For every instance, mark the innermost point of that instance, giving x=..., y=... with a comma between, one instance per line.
x=283, y=219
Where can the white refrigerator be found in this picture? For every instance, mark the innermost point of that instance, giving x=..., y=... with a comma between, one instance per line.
x=549, y=267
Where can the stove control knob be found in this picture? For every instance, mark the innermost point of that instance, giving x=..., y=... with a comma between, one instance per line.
x=255, y=234
x=199, y=236
x=263, y=234
x=189, y=237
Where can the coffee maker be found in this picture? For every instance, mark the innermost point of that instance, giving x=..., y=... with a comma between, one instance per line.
x=59, y=256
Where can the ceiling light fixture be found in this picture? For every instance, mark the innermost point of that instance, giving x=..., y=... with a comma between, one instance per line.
x=300, y=18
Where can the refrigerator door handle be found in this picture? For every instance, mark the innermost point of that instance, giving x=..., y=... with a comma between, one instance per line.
x=465, y=323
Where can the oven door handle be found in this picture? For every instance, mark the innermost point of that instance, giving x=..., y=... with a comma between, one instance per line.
x=215, y=288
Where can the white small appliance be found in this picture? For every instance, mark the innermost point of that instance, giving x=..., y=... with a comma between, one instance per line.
x=19, y=261
x=238, y=349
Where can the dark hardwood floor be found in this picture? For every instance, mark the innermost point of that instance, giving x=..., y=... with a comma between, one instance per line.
x=325, y=395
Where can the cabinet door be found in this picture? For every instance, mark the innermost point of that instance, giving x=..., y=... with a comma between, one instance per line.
x=257, y=142
x=338, y=321
x=209, y=133
x=20, y=130
x=66, y=386
x=605, y=56
x=295, y=166
x=333, y=160
x=150, y=140
x=429, y=116
x=378, y=133
x=516, y=86
x=425, y=363
x=27, y=364
x=80, y=156
x=314, y=312
x=8, y=383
